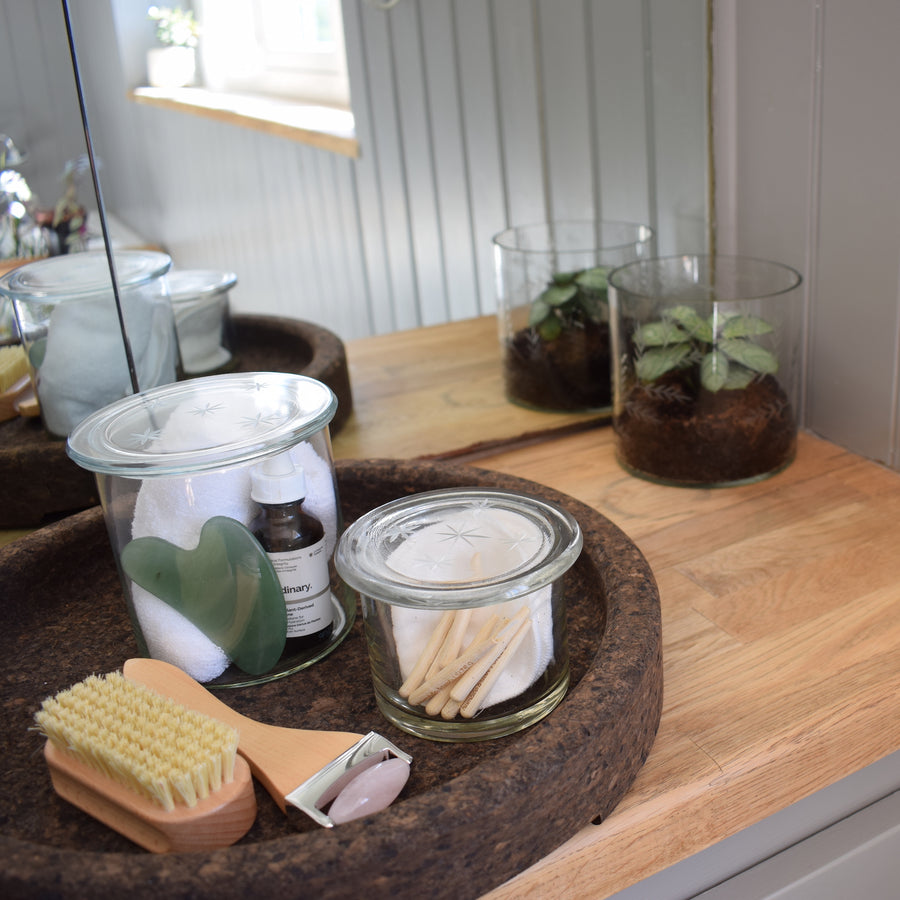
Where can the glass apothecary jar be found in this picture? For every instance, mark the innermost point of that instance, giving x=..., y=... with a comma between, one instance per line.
x=552, y=309
x=463, y=600
x=186, y=473
x=708, y=368
x=202, y=319
x=69, y=325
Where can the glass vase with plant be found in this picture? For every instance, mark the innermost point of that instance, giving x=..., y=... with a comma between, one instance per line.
x=706, y=379
x=553, y=312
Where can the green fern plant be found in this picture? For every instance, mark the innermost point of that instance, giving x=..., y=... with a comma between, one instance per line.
x=571, y=299
x=722, y=346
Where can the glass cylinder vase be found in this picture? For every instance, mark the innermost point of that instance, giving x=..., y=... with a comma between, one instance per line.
x=707, y=368
x=552, y=310
x=179, y=470
x=463, y=599
x=70, y=326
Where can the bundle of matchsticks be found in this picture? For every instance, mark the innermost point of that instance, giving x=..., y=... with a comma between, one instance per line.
x=451, y=680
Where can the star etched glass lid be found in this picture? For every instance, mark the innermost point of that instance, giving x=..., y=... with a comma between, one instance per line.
x=458, y=547
x=202, y=424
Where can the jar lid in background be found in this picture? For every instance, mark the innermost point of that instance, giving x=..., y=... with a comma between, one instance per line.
x=202, y=424
x=80, y=275
x=191, y=284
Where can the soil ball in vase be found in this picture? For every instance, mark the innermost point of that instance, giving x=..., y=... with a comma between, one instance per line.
x=560, y=360
x=704, y=386
x=553, y=311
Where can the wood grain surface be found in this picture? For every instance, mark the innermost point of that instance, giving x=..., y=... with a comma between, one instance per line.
x=438, y=392
x=781, y=648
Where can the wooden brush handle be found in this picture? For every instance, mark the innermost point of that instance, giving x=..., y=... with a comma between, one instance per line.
x=281, y=758
x=218, y=821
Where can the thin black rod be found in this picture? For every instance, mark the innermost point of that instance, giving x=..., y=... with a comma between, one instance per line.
x=101, y=209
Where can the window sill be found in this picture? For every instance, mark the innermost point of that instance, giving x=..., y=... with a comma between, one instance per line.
x=318, y=126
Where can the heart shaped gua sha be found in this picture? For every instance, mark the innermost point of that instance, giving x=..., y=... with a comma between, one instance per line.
x=226, y=587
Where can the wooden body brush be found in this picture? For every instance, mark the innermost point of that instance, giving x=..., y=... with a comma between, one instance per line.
x=301, y=769
x=166, y=777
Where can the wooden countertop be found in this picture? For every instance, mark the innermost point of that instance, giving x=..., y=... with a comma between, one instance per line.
x=438, y=392
x=780, y=603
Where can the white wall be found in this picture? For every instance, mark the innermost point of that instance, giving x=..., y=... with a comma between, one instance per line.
x=807, y=117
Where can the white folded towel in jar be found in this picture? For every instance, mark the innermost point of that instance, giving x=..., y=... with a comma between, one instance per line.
x=175, y=508
x=461, y=548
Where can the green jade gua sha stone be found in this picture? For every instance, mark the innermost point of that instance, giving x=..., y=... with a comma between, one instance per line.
x=226, y=587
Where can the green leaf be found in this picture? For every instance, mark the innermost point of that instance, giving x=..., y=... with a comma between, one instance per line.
x=556, y=295
x=593, y=279
x=738, y=377
x=226, y=587
x=745, y=326
x=751, y=355
x=550, y=328
x=594, y=303
x=714, y=371
x=659, y=334
x=689, y=319
x=564, y=278
x=659, y=360
x=538, y=312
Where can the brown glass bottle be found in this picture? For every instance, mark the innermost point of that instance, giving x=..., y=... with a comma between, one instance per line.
x=295, y=542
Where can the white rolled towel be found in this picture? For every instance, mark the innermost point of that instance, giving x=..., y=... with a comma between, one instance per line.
x=175, y=508
x=480, y=543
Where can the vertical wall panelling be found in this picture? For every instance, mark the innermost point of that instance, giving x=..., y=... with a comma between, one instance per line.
x=767, y=138
x=519, y=110
x=852, y=369
x=679, y=126
x=455, y=249
x=622, y=150
x=815, y=123
x=414, y=121
x=38, y=103
x=374, y=272
x=470, y=115
x=562, y=53
x=482, y=139
x=386, y=142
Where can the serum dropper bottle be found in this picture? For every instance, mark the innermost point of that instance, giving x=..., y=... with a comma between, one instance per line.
x=295, y=543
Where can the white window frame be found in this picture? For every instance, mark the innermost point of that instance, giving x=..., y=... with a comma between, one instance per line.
x=237, y=58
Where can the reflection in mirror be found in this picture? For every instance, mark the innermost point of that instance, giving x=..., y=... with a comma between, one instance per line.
x=469, y=117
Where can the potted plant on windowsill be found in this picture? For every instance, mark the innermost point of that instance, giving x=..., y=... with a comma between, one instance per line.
x=173, y=64
x=705, y=380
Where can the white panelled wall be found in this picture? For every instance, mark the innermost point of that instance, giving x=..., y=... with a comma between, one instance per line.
x=473, y=115
x=807, y=124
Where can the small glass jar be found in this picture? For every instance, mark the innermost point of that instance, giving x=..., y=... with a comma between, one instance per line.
x=463, y=602
x=708, y=368
x=69, y=325
x=552, y=310
x=176, y=469
x=202, y=319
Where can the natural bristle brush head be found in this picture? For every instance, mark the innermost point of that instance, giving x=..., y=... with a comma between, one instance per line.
x=167, y=777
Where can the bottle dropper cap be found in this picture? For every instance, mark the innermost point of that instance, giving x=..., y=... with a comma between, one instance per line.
x=277, y=480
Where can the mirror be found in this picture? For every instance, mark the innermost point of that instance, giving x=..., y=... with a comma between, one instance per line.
x=468, y=116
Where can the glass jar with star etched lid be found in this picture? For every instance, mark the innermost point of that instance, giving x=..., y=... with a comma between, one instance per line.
x=463, y=599
x=175, y=469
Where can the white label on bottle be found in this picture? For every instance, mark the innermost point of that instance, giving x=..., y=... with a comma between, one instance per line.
x=306, y=585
